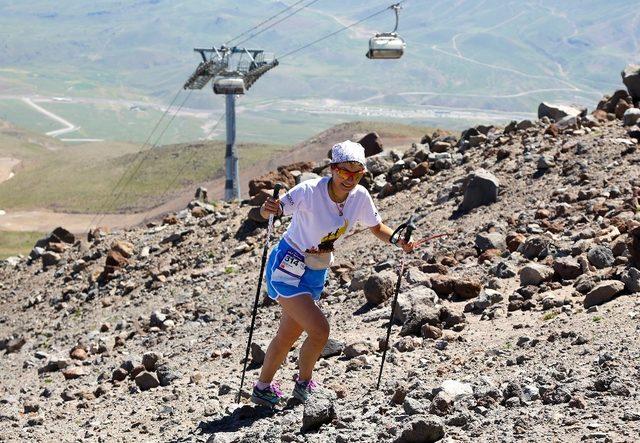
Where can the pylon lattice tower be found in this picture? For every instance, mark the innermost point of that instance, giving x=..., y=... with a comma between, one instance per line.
x=232, y=71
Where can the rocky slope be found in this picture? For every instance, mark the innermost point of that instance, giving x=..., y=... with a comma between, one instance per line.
x=520, y=325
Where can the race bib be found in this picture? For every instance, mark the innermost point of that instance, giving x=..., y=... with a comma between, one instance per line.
x=292, y=264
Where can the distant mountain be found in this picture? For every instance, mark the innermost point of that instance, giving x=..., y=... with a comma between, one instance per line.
x=465, y=55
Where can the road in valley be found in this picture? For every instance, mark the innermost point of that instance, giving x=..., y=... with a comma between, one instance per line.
x=68, y=126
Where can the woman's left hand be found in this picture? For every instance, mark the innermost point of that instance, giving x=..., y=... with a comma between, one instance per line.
x=406, y=247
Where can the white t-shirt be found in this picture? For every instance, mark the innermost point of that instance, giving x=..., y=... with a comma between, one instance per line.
x=317, y=225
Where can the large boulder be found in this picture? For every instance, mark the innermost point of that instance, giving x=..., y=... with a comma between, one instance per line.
x=490, y=240
x=371, y=143
x=609, y=104
x=603, y=292
x=631, y=79
x=379, y=287
x=415, y=302
x=601, y=256
x=558, y=112
x=631, y=279
x=282, y=175
x=535, y=274
x=422, y=429
x=535, y=247
x=631, y=116
x=59, y=236
x=481, y=189
x=320, y=410
x=50, y=259
x=379, y=165
x=567, y=268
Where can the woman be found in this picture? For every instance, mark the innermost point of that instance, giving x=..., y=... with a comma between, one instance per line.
x=323, y=210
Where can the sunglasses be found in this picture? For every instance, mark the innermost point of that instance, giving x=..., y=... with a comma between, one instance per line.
x=345, y=174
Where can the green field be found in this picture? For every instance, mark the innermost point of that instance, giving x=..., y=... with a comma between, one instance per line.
x=14, y=243
x=77, y=178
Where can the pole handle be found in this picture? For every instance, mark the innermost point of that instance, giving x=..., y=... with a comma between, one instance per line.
x=276, y=190
x=407, y=227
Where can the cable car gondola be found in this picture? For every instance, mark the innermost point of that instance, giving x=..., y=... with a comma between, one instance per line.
x=387, y=45
x=229, y=83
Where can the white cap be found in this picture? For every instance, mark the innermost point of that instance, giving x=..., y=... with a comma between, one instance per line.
x=348, y=151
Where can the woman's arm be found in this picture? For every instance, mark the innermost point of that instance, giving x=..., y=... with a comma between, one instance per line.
x=383, y=232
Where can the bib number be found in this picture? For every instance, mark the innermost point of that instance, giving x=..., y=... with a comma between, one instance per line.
x=290, y=269
x=293, y=264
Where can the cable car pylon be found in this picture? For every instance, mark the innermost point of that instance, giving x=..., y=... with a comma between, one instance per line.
x=232, y=71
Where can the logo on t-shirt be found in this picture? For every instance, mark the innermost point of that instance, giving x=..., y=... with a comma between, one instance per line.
x=326, y=242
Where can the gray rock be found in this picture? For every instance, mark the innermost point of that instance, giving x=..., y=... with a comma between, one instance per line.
x=332, y=348
x=12, y=261
x=603, y=292
x=50, y=259
x=491, y=240
x=486, y=298
x=481, y=189
x=535, y=274
x=631, y=116
x=415, y=276
x=558, y=112
x=146, y=380
x=257, y=353
x=378, y=165
x=440, y=146
x=455, y=388
x=441, y=345
x=358, y=279
x=535, y=247
x=631, y=79
x=416, y=308
x=167, y=374
x=477, y=140
x=601, y=256
x=379, y=183
x=584, y=283
x=319, y=411
x=422, y=429
x=525, y=124
x=631, y=279
x=13, y=345
x=545, y=162
x=413, y=406
x=356, y=349
x=54, y=364
x=556, y=395
x=567, y=268
x=502, y=269
x=131, y=362
x=157, y=318
x=149, y=360
x=379, y=287
x=530, y=393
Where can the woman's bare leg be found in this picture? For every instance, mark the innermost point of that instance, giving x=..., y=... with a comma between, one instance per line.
x=288, y=333
x=303, y=310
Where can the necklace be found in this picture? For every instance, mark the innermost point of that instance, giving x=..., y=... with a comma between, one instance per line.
x=333, y=198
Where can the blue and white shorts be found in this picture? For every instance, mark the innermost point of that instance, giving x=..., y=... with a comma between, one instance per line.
x=287, y=275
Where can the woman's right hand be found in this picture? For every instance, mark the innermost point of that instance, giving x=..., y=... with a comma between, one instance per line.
x=270, y=207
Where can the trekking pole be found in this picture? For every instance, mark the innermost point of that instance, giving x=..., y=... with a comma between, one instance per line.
x=408, y=227
x=276, y=191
